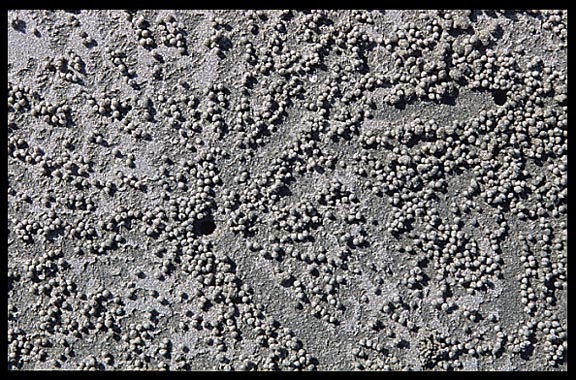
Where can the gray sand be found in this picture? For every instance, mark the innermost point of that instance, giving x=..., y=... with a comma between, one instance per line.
x=287, y=190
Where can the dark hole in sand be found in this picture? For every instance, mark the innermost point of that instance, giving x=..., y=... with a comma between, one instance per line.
x=205, y=227
x=499, y=97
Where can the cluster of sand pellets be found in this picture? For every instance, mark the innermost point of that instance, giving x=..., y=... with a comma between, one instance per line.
x=287, y=190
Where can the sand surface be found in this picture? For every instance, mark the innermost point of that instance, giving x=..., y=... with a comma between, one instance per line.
x=287, y=190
